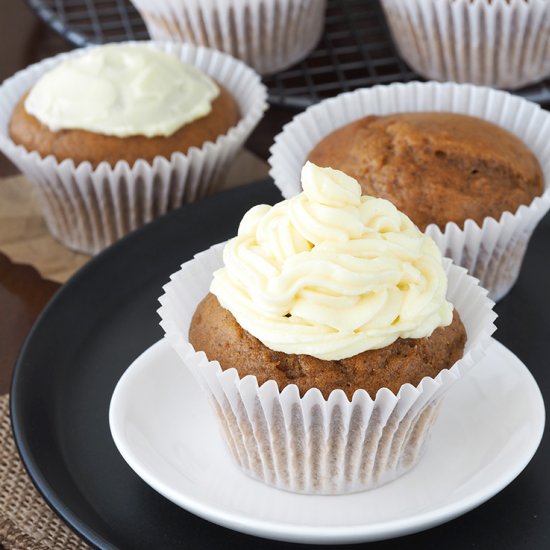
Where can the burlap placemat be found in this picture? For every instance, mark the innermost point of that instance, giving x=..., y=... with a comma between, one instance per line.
x=26, y=521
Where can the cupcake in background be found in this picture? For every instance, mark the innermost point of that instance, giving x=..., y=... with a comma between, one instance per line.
x=499, y=43
x=116, y=135
x=325, y=335
x=268, y=35
x=477, y=184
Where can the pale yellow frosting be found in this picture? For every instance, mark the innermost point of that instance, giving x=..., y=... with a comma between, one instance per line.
x=122, y=90
x=331, y=273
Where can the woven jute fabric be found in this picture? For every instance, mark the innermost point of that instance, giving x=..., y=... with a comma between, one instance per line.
x=26, y=521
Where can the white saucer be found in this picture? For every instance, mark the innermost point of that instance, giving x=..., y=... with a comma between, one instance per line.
x=490, y=426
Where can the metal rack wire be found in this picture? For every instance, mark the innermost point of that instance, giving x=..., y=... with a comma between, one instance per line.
x=356, y=49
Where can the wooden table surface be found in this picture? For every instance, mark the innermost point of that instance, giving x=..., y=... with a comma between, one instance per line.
x=23, y=291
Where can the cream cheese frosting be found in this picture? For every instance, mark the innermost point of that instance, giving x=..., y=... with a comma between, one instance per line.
x=122, y=90
x=331, y=273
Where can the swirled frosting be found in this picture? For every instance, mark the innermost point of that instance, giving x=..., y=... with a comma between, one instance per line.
x=122, y=90
x=331, y=273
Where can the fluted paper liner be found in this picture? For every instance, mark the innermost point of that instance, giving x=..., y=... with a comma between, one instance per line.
x=86, y=208
x=494, y=252
x=267, y=35
x=501, y=43
x=309, y=444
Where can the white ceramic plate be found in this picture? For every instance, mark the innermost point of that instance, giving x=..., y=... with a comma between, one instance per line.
x=490, y=426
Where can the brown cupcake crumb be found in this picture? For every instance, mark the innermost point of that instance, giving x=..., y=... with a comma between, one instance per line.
x=435, y=167
x=215, y=331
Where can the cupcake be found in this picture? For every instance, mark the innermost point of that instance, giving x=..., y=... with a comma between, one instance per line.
x=114, y=136
x=326, y=337
x=469, y=165
x=268, y=35
x=501, y=43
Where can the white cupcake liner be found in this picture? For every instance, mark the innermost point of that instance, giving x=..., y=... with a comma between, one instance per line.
x=267, y=35
x=493, y=252
x=502, y=43
x=309, y=444
x=89, y=208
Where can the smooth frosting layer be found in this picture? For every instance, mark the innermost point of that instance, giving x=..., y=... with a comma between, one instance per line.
x=122, y=90
x=331, y=273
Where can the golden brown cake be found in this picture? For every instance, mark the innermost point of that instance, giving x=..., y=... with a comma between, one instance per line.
x=435, y=167
x=82, y=145
x=215, y=331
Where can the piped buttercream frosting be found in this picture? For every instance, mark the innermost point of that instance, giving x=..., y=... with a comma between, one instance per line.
x=332, y=273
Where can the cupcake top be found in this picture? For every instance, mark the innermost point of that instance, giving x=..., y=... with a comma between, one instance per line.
x=122, y=90
x=330, y=273
x=437, y=167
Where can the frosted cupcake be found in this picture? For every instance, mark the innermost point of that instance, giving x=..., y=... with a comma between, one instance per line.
x=327, y=338
x=115, y=135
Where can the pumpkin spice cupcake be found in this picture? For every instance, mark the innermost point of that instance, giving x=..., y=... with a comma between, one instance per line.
x=114, y=136
x=329, y=332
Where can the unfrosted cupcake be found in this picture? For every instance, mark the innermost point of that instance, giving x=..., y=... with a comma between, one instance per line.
x=477, y=189
x=268, y=35
x=113, y=136
x=501, y=43
x=328, y=337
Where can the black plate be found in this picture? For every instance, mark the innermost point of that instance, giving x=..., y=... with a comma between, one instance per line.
x=105, y=316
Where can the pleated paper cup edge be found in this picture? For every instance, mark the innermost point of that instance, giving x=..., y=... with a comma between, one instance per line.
x=447, y=17
x=297, y=138
x=267, y=61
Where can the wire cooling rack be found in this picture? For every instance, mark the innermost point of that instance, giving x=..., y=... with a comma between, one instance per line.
x=356, y=49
